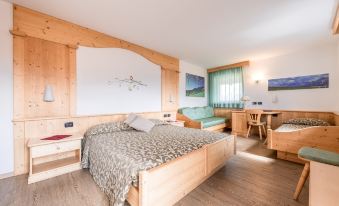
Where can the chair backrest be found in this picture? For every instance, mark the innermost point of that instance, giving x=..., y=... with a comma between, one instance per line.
x=254, y=115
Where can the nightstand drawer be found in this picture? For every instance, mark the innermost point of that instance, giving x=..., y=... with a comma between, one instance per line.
x=55, y=148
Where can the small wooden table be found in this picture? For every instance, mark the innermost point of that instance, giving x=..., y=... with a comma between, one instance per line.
x=50, y=158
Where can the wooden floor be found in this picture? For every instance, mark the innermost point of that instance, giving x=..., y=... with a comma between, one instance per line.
x=247, y=179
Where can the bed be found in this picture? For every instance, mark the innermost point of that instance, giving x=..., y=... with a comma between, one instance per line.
x=296, y=133
x=155, y=168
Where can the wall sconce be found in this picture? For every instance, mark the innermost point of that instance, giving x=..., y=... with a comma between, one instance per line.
x=48, y=94
x=257, y=77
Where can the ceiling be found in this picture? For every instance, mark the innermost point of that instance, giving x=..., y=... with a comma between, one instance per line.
x=204, y=32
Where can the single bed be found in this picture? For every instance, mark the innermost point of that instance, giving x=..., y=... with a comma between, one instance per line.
x=296, y=133
x=155, y=168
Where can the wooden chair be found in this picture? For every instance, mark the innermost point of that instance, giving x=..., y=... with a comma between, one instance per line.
x=253, y=120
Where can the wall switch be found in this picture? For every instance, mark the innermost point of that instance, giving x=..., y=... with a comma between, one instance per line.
x=259, y=103
x=254, y=103
x=168, y=115
x=68, y=124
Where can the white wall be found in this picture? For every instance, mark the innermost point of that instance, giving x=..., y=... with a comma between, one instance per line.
x=6, y=89
x=316, y=60
x=186, y=67
x=95, y=95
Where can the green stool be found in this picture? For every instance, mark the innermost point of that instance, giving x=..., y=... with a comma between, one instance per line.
x=311, y=154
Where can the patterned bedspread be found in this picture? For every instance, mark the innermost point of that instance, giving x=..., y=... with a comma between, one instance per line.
x=291, y=127
x=115, y=154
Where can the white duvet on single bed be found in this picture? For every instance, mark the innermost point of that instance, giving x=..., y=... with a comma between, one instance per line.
x=291, y=127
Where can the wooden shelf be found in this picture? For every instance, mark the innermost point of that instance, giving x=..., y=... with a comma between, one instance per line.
x=54, y=164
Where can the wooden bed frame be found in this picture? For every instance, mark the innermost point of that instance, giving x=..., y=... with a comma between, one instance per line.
x=170, y=182
x=287, y=144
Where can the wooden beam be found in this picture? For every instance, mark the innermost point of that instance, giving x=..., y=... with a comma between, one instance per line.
x=43, y=26
x=17, y=33
x=335, y=28
x=229, y=66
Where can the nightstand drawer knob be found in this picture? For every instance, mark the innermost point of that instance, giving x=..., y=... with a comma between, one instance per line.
x=57, y=147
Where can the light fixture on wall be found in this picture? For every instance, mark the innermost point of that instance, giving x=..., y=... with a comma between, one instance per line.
x=257, y=77
x=48, y=94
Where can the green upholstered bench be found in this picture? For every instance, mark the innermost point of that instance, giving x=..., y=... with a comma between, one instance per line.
x=201, y=118
x=318, y=155
x=314, y=155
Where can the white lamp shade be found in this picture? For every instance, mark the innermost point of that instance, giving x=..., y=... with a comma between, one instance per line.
x=48, y=94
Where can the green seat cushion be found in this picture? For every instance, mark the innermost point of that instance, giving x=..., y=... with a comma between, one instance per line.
x=211, y=121
x=319, y=155
x=197, y=112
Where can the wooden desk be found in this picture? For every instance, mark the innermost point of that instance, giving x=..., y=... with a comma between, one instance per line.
x=269, y=118
x=239, y=121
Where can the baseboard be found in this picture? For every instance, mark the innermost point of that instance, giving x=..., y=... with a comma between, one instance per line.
x=6, y=175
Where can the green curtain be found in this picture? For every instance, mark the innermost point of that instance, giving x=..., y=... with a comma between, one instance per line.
x=226, y=88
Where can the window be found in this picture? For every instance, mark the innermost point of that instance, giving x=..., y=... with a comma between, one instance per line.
x=226, y=88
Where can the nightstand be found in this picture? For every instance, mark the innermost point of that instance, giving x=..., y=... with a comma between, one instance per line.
x=177, y=123
x=50, y=158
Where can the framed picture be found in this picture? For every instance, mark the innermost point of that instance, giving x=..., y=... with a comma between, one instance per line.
x=301, y=82
x=195, y=86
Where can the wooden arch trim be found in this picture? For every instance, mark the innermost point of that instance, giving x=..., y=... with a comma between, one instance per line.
x=43, y=26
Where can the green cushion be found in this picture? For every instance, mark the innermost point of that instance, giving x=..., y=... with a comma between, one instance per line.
x=197, y=112
x=319, y=155
x=211, y=121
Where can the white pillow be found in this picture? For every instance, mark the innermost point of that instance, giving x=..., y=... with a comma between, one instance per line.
x=142, y=124
x=130, y=118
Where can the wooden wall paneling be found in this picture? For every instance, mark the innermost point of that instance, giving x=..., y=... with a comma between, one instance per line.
x=169, y=90
x=46, y=63
x=43, y=127
x=49, y=28
x=19, y=148
x=226, y=113
x=19, y=76
x=72, y=80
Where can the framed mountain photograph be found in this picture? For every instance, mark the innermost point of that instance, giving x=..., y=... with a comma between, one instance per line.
x=301, y=82
x=195, y=86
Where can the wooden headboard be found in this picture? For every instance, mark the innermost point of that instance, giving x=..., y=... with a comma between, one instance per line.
x=42, y=127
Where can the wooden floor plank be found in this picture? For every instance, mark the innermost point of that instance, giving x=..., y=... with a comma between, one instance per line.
x=249, y=178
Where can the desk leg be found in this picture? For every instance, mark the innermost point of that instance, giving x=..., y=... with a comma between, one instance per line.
x=269, y=121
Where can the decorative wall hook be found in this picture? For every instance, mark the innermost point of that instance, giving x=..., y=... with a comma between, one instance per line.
x=130, y=83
